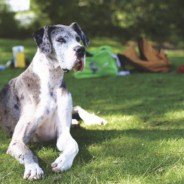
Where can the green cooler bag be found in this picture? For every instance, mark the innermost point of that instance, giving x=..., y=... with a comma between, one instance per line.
x=98, y=63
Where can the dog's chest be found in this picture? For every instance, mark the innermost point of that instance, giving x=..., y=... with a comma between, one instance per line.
x=46, y=132
x=48, y=106
x=47, y=127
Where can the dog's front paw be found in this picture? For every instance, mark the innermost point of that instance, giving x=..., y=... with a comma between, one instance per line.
x=61, y=164
x=33, y=172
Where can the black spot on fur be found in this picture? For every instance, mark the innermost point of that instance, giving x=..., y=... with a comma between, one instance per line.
x=5, y=111
x=22, y=97
x=17, y=99
x=21, y=157
x=63, y=84
x=47, y=111
x=51, y=94
x=16, y=107
x=64, y=88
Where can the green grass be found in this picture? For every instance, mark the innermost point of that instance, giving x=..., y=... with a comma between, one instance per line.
x=143, y=140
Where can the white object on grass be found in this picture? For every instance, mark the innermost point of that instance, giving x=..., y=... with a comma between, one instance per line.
x=91, y=119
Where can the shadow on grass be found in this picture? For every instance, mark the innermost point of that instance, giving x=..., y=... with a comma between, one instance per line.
x=86, y=138
x=132, y=148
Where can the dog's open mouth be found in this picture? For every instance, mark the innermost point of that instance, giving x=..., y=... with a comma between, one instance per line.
x=79, y=65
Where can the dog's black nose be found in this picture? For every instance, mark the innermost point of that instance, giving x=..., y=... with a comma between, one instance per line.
x=80, y=51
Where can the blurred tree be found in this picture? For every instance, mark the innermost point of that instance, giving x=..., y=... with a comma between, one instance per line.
x=94, y=16
x=10, y=27
x=8, y=24
x=159, y=20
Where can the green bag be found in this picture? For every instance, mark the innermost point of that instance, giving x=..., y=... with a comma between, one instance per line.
x=99, y=62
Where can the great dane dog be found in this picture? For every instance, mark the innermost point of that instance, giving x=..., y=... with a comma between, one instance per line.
x=36, y=106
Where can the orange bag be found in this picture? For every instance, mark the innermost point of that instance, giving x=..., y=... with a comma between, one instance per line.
x=153, y=60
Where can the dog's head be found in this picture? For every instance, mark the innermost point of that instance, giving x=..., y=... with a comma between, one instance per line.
x=64, y=43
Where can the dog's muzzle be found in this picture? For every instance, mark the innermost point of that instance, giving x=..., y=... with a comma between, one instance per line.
x=80, y=52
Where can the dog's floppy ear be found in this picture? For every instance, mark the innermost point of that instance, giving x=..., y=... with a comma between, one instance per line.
x=42, y=39
x=79, y=31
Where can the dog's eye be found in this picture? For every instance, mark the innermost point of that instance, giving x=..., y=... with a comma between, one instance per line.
x=61, y=40
x=78, y=39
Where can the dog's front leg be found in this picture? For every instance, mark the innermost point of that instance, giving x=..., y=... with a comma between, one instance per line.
x=23, y=132
x=65, y=143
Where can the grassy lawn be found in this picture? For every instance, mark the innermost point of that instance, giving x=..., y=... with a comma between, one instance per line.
x=143, y=141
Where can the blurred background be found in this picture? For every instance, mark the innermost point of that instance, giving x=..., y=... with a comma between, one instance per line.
x=161, y=21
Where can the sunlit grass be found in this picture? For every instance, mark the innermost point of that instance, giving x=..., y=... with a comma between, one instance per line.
x=143, y=140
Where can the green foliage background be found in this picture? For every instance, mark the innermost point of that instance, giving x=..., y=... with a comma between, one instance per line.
x=156, y=20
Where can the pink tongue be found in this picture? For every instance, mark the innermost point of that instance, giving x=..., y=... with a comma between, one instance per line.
x=82, y=66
